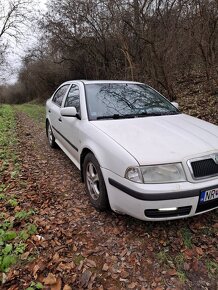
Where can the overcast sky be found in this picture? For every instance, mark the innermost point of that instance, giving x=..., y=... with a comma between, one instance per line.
x=18, y=50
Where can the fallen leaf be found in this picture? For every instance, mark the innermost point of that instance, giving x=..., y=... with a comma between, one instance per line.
x=186, y=266
x=56, y=257
x=50, y=279
x=132, y=285
x=172, y=272
x=66, y=266
x=57, y=285
x=199, y=251
x=67, y=287
x=84, y=280
x=195, y=265
x=124, y=274
x=91, y=263
x=189, y=253
x=215, y=226
x=105, y=267
x=25, y=255
x=35, y=270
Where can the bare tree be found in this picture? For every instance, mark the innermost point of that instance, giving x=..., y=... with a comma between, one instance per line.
x=204, y=30
x=13, y=15
x=156, y=41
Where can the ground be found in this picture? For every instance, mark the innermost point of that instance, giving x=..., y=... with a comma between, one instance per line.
x=69, y=245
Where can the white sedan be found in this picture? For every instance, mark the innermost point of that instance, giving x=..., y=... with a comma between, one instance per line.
x=137, y=154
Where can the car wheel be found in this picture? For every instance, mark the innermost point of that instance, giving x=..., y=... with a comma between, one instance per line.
x=94, y=183
x=51, y=138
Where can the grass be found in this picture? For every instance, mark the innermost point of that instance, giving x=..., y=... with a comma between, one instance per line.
x=163, y=257
x=35, y=111
x=179, y=262
x=78, y=259
x=212, y=268
x=7, y=141
x=175, y=262
x=187, y=237
x=12, y=238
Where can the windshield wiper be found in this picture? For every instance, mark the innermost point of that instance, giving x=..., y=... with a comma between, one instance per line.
x=144, y=114
x=161, y=114
x=116, y=116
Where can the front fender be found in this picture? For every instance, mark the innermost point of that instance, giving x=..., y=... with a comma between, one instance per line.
x=110, y=155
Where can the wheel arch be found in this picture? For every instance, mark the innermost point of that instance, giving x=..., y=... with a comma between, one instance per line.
x=83, y=154
x=46, y=125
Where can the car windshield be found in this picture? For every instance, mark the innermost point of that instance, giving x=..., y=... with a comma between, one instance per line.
x=125, y=100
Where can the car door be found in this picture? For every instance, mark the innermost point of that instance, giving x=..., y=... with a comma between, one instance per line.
x=71, y=125
x=54, y=110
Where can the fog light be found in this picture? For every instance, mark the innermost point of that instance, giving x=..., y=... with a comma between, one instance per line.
x=168, y=209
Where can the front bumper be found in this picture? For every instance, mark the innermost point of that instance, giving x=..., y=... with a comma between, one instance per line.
x=157, y=201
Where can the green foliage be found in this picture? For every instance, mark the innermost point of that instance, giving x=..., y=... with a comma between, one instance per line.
x=32, y=229
x=24, y=235
x=12, y=202
x=187, y=237
x=20, y=248
x=212, y=267
x=179, y=262
x=10, y=252
x=163, y=257
x=14, y=173
x=6, y=225
x=182, y=276
x=23, y=215
x=12, y=243
x=2, y=196
x=6, y=262
x=78, y=259
x=2, y=188
x=7, y=249
x=7, y=137
x=2, y=215
x=35, y=286
x=10, y=235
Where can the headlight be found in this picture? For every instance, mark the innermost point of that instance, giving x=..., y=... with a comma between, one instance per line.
x=166, y=173
x=134, y=174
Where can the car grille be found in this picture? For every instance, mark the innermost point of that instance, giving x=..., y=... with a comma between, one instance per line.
x=204, y=168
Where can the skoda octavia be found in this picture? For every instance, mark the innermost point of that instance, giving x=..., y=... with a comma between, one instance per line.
x=137, y=153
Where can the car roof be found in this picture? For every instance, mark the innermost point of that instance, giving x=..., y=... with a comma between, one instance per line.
x=86, y=82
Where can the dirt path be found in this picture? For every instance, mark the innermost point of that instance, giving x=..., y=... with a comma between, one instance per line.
x=86, y=249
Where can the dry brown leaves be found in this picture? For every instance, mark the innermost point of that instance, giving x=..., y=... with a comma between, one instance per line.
x=77, y=247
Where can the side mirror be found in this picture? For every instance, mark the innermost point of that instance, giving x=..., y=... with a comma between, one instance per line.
x=69, y=112
x=175, y=105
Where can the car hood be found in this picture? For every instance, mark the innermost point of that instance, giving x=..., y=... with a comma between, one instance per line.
x=162, y=139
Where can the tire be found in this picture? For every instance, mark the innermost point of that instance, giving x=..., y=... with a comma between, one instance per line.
x=94, y=183
x=51, y=138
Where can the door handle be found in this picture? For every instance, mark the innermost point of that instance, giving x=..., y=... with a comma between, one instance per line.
x=60, y=120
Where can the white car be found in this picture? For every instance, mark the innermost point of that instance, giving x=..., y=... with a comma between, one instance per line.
x=137, y=154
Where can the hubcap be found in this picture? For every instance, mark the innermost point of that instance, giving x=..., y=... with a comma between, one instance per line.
x=92, y=180
x=50, y=137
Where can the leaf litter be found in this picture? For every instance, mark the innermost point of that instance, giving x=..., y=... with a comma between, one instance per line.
x=77, y=247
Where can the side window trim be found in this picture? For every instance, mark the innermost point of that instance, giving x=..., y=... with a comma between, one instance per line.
x=65, y=99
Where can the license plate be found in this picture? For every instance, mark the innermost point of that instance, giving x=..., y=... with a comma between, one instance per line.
x=208, y=195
